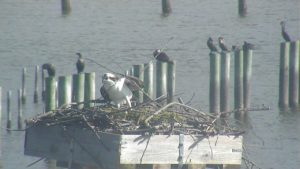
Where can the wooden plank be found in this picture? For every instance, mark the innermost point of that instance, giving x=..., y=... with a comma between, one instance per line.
x=162, y=149
x=231, y=166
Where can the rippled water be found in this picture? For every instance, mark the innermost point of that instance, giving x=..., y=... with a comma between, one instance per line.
x=120, y=33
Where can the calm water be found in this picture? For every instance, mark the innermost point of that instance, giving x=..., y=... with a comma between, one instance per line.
x=120, y=33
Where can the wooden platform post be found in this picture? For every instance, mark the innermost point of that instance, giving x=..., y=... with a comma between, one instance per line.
x=89, y=89
x=148, y=80
x=166, y=6
x=196, y=166
x=294, y=75
x=20, y=111
x=24, y=72
x=138, y=71
x=36, y=89
x=64, y=90
x=78, y=89
x=161, y=79
x=238, y=80
x=171, y=81
x=8, y=124
x=247, y=77
x=214, y=86
x=50, y=94
x=284, y=75
x=225, y=82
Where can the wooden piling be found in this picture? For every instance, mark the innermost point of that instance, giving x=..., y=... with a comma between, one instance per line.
x=225, y=82
x=43, y=85
x=138, y=71
x=294, y=75
x=78, y=89
x=166, y=6
x=50, y=94
x=89, y=89
x=238, y=79
x=20, y=111
x=64, y=91
x=284, y=75
x=148, y=80
x=242, y=5
x=161, y=79
x=8, y=124
x=36, y=89
x=214, y=87
x=171, y=81
x=66, y=6
x=24, y=72
x=247, y=77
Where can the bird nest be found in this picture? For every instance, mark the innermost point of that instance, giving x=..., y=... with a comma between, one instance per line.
x=150, y=117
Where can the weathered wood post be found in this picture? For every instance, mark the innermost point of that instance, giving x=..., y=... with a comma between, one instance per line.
x=225, y=82
x=171, y=81
x=166, y=6
x=238, y=79
x=242, y=5
x=64, y=90
x=50, y=94
x=247, y=77
x=43, y=85
x=161, y=79
x=66, y=6
x=138, y=71
x=284, y=75
x=78, y=89
x=36, y=89
x=20, y=111
x=8, y=124
x=148, y=80
x=214, y=86
x=89, y=89
x=24, y=85
x=294, y=75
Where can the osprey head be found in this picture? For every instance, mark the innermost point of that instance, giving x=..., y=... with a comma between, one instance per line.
x=109, y=76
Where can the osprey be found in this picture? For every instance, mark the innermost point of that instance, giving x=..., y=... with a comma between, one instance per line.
x=119, y=89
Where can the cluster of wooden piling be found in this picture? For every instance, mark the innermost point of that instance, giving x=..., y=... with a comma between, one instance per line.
x=219, y=100
x=289, y=75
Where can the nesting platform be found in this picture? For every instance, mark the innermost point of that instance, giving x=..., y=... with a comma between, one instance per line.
x=78, y=136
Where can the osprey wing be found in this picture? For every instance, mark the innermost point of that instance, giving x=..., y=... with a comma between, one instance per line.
x=133, y=83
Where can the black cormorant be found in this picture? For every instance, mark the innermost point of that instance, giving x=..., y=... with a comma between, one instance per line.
x=161, y=56
x=284, y=34
x=80, y=63
x=50, y=69
x=222, y=45
x=248, y=46
x=211, y=45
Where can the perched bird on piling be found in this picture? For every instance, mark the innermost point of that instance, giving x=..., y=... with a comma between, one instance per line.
x=161, y=56
x=211, y=45
x=284, y=34
x=235, y=48
x=119, y=89
x=50, y=69
x=248, y=46
x=222, y=45
x=80, y=63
